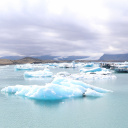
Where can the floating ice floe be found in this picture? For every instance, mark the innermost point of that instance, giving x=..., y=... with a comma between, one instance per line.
x=79, y=65
x=92, y=93
x=53, y=64
x=99, y=75
x=59, y=88
x=89, y=65
x=24, y=67
x=96, y=69
x=62, y=74
x=91, y=77
x=41, y=73
x=38, y=66
x=67, y=65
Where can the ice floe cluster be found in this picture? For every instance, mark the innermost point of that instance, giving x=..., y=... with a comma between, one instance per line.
x=88, y=76
x=99, y=75
x=93, y=73
x=59, y=88
x=64, y=84
x=54, y=65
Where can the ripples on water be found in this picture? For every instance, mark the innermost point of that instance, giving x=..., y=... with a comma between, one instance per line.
x=109, y=111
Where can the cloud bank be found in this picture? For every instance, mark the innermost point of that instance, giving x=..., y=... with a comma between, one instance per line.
x=63, y=28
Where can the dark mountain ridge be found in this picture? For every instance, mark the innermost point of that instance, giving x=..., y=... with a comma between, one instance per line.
x=114, y=57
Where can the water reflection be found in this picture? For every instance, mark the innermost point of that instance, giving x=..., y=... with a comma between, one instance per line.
x=48, y=103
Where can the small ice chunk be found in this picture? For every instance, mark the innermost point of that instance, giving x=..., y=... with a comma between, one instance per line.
x=91, y=70
x=62, y=74
x=92, y=93
x=24, y=67
x=88, y=65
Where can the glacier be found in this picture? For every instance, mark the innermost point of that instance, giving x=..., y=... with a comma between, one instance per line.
x=59, y=88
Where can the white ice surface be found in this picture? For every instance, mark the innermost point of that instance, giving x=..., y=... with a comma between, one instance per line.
x=96, y=69
x=59, y=88
x=40, y=73
x=24, y=67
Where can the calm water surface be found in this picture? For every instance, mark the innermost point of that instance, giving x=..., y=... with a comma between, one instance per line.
x=110, y=111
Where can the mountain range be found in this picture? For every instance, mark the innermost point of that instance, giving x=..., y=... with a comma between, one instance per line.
x=114, y=57
x=105, y=57
x=45, y=57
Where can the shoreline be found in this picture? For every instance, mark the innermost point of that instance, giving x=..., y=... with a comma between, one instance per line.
x=38, y=61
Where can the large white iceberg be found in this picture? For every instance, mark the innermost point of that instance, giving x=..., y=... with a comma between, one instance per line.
x=59, y=88
x=40, y=73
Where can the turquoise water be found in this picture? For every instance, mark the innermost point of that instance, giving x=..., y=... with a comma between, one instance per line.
x=109, y=111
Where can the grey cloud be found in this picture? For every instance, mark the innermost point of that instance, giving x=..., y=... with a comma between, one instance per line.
x=25, y=32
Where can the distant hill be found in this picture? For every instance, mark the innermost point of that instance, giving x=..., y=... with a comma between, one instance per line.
x=5, y=62
x=26, y=60
x=114, y=57
x=46, y=57
x=34, y=61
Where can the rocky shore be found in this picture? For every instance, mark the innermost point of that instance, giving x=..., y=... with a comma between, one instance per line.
x=24, y=61
x=29, y=60
x=37, y=61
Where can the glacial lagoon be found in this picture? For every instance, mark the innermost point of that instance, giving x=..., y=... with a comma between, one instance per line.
x=108, y=111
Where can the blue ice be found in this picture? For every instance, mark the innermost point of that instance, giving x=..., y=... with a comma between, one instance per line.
x=96, y=69
x=59, y=88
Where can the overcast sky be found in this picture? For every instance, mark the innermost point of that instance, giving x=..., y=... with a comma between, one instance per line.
x=63, y=27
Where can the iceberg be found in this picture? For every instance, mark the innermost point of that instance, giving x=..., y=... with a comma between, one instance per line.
x=67, y=65
x=63, y=74
x=38, y=66
x=79, y=65
x=92, y=93
x=93, y=76
x=59, y=88
x=40, y=73
x=89, y=65
x=52, y=65
x=24, y=67
x=96, y=69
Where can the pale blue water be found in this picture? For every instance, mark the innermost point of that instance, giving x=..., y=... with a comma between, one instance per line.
x=110, y=111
